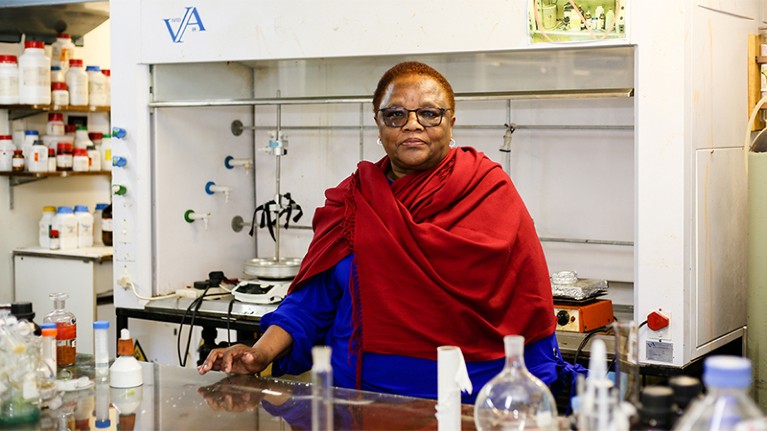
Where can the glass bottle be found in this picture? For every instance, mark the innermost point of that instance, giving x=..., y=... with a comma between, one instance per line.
x=322, y=389
x=106, y=225
x=66, y=330
x=515, y=399
x=655, y=410
x=727, y=405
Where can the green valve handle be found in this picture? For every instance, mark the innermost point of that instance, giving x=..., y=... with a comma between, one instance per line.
x=119, y=189
x=187, y=215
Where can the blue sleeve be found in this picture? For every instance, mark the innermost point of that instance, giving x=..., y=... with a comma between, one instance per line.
x=306, y=314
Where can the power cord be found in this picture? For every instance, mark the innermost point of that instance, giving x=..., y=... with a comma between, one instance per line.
x=196, y=305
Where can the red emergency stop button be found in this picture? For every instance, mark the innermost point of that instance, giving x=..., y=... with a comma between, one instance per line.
x=657, y=320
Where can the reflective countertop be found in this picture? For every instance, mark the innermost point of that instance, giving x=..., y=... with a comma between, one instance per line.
x=176, y=398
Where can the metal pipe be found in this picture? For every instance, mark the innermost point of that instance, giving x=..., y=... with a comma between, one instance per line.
x=500, y=95
x=587, y=241
x=278, y=196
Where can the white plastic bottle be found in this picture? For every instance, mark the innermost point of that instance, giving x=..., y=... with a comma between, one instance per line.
x=84, y=226
x=57, y=75
x=9, y=80
x=46, y=221
x=55, y=125
x=108, y=85
x=6, y=153
x=80, y=160
x=59, y=94
x=81, y=138
x=94, y=158
x=62, y=51
x=65, y=223
x=77, y=83
x=106, y=152
x=96, y=88
x=30, y=137
x=38, y=160
x=34, y=74
x=97, y=232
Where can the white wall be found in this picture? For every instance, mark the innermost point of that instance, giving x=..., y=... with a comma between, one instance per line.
x=19, y=225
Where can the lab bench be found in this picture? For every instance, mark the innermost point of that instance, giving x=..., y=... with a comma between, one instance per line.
x=175, y=398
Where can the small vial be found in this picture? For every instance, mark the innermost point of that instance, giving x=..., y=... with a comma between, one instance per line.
x=322, y=389
x=100, y=349
x=55, y=240
x=49, y=346
x=17, y=162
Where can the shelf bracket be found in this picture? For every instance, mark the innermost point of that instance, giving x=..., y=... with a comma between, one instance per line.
x=17, y=181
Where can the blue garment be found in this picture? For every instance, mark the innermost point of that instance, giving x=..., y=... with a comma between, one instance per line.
x=320, y=313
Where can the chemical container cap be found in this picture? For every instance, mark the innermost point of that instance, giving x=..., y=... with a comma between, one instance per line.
x=17, y=152
x=54, y=233
x=64, y=36
x=76, y=62
x=64, y=210
x=81, y=208
x=103, y=423
x=8, y=59
x=95, y=135
x=22, y=310
x=81, y=127
x=727, y=372
x=106, y=135
x=34, y=44
x=64, y=146
x=47, y=325
x=58, y=85
x=101, y=206
x=101, y=324
x=31, y=132
x=92, y=69
x=81, y=152
x=106, y=72
x=49, y=331
x=49, y=208
x=55, y=116
x=55, y=68
x=51, y=152
x=5, y=137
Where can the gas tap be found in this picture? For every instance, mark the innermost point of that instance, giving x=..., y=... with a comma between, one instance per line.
x=190, y=216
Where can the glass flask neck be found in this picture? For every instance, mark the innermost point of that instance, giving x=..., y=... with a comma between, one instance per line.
x=514, y=346
x=59, y=303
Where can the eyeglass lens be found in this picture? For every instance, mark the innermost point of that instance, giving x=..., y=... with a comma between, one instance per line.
x=398, y=117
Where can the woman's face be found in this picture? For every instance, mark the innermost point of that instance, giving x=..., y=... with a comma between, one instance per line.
x=413, y=147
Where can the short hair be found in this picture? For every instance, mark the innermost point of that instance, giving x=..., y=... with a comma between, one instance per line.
x=411, y=68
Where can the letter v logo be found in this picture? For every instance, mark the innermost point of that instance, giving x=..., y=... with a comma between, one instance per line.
x=191, y=18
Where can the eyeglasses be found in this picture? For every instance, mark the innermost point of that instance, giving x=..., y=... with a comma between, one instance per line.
x=398, y=117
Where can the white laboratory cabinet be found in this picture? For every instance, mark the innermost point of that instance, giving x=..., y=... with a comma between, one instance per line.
x=85, y=274
x=626, y=151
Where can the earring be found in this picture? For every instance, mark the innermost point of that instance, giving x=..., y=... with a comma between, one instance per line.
x=452, y=143
x=378, y=141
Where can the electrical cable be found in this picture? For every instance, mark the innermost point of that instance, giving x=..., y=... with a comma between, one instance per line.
x=586, y=339
x=196, y=305
x=149, y=298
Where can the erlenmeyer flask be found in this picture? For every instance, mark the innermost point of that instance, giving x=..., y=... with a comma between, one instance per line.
x=515, y=399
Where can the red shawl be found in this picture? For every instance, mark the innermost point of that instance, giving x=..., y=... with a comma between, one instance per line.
x=448, y=256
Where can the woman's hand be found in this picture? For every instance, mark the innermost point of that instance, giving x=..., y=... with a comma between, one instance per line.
x=237, y=359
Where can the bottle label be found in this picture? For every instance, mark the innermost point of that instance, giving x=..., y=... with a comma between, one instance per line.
x=106, y=224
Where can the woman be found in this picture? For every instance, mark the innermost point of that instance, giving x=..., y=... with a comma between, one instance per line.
x=432, y=245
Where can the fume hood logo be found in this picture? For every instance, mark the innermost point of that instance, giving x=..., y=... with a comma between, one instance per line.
x=190, y=21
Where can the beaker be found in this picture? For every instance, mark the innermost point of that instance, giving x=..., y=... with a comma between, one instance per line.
x=626, y=361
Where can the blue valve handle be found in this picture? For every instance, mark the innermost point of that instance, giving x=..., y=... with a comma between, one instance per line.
x=119, y=132
x=208, y=186
x=119, y=161
x=228, y=162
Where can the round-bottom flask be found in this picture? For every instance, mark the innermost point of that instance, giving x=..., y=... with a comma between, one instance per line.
x=515, y=399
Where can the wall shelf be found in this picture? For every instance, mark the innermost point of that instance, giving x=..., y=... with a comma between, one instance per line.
x=16, y=112
x=19, y=178
x=44, y=19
